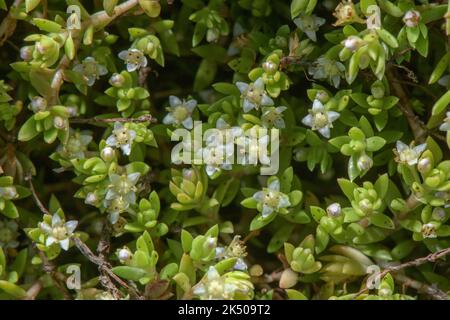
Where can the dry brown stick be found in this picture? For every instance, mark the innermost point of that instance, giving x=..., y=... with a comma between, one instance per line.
x=58, y=278
x=432, y=257
x=96, y=20
x=33, y=291
x=103, y=250
x=8, y=25
x=421, y=287
x=418, y=128
x=84, y=249
x=140, y=119
x=35, y=196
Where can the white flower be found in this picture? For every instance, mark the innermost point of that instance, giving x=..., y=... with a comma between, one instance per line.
x=320, y=119
x=326, y=69
x=91, y=70
x=271, y=198
x=214, y=287
x=91, y=199
x=123, y=186
x=236, y=249
x=274, y=117
x=411, y=18
x=409, y=154
x=115, y=207
x=217, y=157
x=76, y=145
x=180, y=112
x=364, y=162
x=429, y=230
x=133, y=58
x=445, y=126
x=254, y=95
x=251, y=149
x=59, y=232
x=309, y=25
x=122, y=138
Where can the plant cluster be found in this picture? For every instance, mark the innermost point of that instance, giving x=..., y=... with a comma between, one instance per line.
x=92, y=206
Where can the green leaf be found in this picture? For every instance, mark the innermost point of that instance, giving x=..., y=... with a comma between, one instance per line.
x=129, y=273
x=317, y=213
x=28, y=130
x=440, y=68
x=10, y=210
x=31, y=4
x=347, y=187
x=47, y=25
x=205, y=75
x=441, y=105
x=297, y=6
x=382, y=185
x=375, y=143
x=226, y=88
x=211, y=52
x=186, y=241
x=382, y=221
x=12, y=289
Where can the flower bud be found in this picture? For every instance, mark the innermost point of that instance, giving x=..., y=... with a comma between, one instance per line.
x=107, y=154
x=365, y=163
x=322, y=96
x=116, y=80
x=8, y=193
x=352, y=43
x=288, y=279
x=411, y=18
x=26, y=53
x=269, y=67
x=124, y=254
x=377, y=90
x=365, y=205
x=438, y=214
x=212, y=35
x=91, y=198
x=38, y=104
x=424, y=165
x=334, y=210
x=59, y=122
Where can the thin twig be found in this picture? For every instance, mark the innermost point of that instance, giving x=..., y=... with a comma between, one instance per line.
x=96, y=20
x=103, y=250
x=8, y=25
x=432, y=257
x=421, y=287
x=144, y=118
x=58, y=278
x=35, y=196
x=33, y=291
x=418, y=128
x=105, y=266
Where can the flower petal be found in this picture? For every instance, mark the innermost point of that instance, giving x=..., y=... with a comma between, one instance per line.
x=174, y=101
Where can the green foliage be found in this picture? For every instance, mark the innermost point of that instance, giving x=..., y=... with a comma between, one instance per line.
x=352, y=97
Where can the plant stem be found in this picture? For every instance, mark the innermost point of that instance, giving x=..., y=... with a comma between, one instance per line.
x=418, y=129
x=104, y=266
x=143, y=118
x=432, y=257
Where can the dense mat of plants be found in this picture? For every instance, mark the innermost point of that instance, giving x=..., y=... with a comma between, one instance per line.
x=92, y=207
